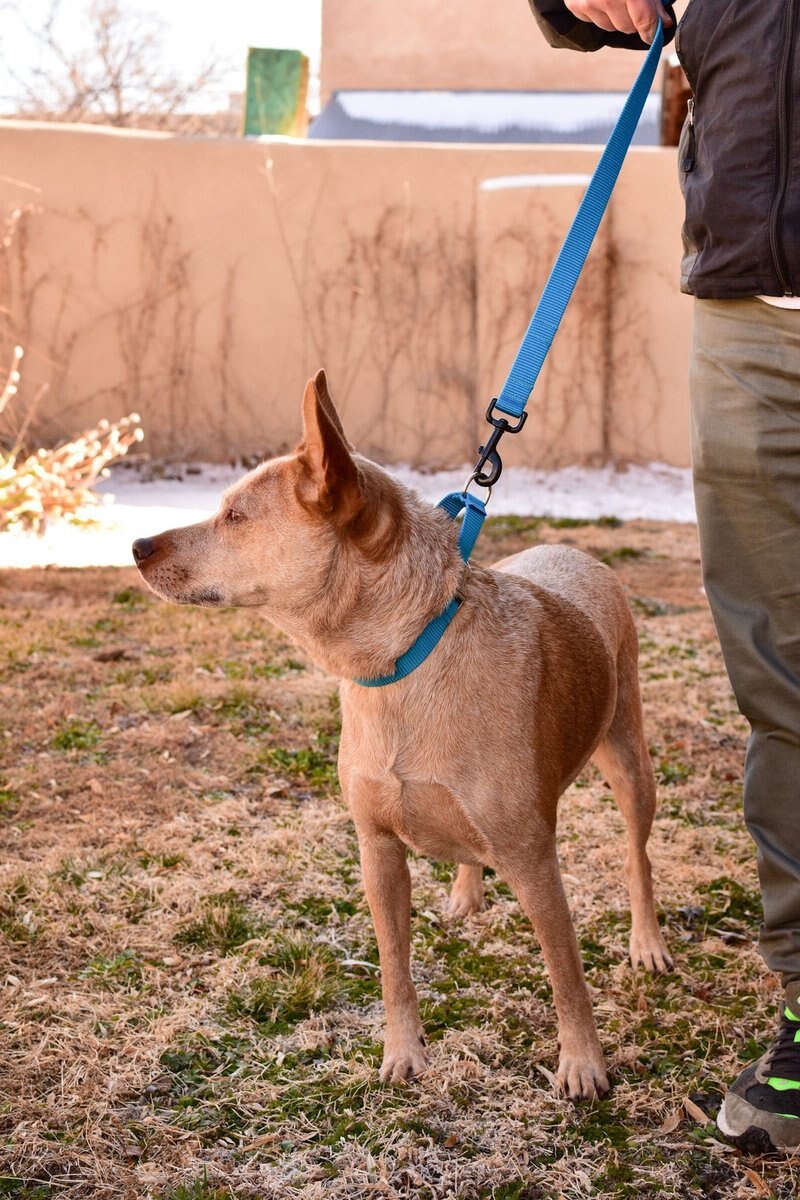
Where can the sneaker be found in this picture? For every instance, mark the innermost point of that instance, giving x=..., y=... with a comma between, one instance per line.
x=762, y=1109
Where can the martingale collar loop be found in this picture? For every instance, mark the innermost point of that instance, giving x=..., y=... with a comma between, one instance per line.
x=474, y=515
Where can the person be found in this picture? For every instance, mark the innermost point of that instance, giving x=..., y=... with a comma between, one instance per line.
x=739, y=164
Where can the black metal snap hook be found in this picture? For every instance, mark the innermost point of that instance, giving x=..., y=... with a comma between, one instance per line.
x=488, y=453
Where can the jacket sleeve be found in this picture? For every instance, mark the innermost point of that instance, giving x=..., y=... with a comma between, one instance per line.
x=566, y=32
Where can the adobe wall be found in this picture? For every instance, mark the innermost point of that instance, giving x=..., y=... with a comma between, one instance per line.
x=202, y=281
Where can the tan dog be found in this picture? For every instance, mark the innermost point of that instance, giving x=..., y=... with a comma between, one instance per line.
x=466, y=758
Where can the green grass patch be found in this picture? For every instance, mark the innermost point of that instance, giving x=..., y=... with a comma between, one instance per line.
x=164, y=862
x=582, y=522
x=502, y=527
x=76, y=735
x=505, y=526
x=130, y=598
x=306, y=977
x=224, y=923
x=15, y=1188
x=118, y=972
x=622, y=554
x=9, y=802
x=671, y=772
x=320, y=910
x=198, y=1085
x=234, y=668
x=657, y=608
x=316, y=767
x=198, y=1189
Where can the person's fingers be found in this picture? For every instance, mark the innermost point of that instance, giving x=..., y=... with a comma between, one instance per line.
x=622, y=16
x=645, y=14
x=618, y=11
x=665, y=17
x=596, y=14
x=585, y=10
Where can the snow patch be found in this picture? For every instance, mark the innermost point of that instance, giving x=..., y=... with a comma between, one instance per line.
x=502, y=183
x=134, y=508
x=491, y=112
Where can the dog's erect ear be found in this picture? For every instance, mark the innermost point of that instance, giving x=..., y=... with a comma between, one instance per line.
x=325, y=453
x=321, y=385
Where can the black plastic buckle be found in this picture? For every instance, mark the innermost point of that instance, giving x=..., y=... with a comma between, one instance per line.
x=488, y=452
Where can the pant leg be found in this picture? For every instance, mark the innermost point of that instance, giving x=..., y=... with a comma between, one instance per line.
x=745, y=389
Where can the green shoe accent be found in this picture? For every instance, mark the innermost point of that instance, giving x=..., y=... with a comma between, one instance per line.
x=787, y=1012
x=789, y=1116
x=784, y=1085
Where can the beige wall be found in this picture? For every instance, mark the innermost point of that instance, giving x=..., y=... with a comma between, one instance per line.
x=455, y=44
x=201, y=282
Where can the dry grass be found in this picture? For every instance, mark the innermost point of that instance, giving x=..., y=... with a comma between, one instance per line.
x=190, y=1004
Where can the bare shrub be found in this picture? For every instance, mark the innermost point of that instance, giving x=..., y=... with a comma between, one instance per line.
x=117, y=75
x=47, y=484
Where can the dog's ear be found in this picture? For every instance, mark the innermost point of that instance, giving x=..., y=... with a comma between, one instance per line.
x=325, y=454
x=321, y=386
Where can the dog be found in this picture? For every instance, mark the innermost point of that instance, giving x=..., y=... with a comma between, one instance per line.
x=464, y=759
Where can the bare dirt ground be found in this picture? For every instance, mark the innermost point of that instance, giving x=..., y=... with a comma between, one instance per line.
x=190, y=1005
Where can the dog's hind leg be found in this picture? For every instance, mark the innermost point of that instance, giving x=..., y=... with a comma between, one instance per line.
x=466, y=895
x=623, y=759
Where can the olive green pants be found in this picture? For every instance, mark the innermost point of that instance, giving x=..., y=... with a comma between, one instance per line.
x=745, y=389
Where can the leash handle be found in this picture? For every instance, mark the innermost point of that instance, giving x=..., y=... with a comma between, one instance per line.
x=564, y=275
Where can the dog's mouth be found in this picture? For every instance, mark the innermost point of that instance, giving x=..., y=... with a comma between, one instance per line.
x=182, y=592
x=208, y=596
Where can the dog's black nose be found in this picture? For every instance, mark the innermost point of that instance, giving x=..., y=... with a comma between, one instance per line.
x=142, y=549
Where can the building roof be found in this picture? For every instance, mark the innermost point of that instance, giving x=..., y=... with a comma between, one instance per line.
x=427, y=116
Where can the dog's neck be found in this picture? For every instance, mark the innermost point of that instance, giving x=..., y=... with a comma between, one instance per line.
x=373, y=607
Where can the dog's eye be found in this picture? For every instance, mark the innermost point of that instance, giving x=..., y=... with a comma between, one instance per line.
x=232, y=515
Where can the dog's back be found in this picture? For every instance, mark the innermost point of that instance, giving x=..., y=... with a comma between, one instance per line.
x=580, y=579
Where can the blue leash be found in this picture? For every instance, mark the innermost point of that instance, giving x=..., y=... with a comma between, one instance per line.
x=537, y=341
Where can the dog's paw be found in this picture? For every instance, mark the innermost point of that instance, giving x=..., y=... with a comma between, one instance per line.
x=463, y=902
x=466, y=895
x=650, y=951
x=582, y=1077
x=403, y=1059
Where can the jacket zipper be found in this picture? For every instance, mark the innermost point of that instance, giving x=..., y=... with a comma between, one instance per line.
x=689, y=160
x=783, y=146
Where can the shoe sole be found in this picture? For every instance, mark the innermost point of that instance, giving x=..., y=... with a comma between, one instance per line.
x=742, y=1121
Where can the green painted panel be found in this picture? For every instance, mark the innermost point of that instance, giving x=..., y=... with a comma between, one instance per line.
x=277, y=88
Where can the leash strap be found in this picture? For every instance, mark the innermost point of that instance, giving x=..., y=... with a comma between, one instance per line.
x=535, y=345
x=418, y=651
x=564, y=275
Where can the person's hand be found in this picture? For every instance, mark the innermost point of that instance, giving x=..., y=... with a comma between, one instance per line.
x=622, y=16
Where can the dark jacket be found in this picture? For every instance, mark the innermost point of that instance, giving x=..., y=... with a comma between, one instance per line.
x=739, y=158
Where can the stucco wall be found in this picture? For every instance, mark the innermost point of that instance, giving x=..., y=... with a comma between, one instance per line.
x=455, y=44
x=201, y=281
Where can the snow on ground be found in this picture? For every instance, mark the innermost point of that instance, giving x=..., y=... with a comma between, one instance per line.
x=133, y=507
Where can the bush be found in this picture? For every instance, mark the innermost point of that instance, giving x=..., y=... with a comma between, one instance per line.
x=46, y=484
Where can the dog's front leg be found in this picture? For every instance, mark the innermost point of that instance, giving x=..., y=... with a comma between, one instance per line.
x=387, y=884
x=536, y=880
